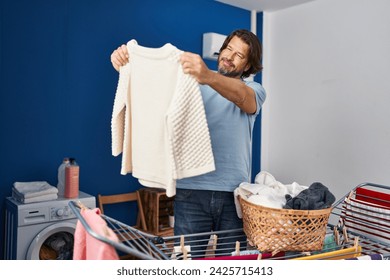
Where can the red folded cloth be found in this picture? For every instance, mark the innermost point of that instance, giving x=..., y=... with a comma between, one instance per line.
x=375, y=197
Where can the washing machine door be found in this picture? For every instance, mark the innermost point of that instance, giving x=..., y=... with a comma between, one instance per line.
x=37, y=243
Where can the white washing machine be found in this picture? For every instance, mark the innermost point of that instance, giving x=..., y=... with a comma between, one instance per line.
x=42, y=230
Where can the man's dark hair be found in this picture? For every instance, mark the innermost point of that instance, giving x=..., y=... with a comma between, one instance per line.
x=255, y=50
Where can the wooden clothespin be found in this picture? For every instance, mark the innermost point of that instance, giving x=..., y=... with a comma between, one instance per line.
x=345, y=233
x=182, y=247
x=237, y=248
x=356, y=243
x=336, y=236
x=350, y=195
x=81, y=205
x=215, y=240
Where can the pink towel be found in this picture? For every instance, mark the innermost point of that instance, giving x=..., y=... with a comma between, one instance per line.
x=86, y=247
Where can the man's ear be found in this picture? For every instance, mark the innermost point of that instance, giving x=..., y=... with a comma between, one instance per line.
x=247, y=67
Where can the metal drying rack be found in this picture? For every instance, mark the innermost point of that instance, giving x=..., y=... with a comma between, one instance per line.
x=346, y=242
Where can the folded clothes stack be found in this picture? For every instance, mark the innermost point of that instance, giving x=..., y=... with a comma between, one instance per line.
x=28, y=192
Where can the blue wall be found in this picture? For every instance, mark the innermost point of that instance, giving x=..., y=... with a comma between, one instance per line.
x=57, y=84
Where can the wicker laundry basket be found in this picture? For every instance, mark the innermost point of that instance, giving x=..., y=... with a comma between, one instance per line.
x=276, y=230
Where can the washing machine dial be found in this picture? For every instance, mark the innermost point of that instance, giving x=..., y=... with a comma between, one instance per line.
x=60, y=212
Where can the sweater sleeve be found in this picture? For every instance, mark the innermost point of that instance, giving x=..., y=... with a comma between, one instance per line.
x=121, y=120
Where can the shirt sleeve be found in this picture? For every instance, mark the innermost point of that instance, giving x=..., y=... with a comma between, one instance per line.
x=259, y=93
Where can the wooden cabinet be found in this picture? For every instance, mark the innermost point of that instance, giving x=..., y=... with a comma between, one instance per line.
x=157, y=208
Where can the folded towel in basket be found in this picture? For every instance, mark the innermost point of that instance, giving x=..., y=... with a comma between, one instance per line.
x=34, y=189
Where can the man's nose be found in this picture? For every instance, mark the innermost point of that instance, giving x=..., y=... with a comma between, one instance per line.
x=230, y=56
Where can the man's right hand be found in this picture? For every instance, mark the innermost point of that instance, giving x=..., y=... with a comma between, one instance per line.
x=119, y=57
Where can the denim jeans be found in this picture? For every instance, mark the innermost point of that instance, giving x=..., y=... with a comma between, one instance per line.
x=202, y=211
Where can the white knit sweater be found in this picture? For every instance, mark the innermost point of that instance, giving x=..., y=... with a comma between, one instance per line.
x=159, y=123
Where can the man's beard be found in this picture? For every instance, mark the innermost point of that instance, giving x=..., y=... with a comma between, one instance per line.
x=232, y=74
x=223, y=71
